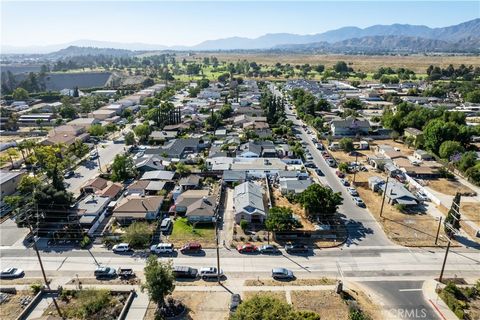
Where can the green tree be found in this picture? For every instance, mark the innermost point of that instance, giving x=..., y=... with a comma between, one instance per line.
x=130, y=138
x=12, y=154
x=449, y=148
x=243, y=224
x=319, y=201
x=123, y=168
x=138, y=235
x=159, y=280
x=182, y=169
x=20, y=94
x=280, y=219
x=78, y=149
x=97, y=130
x=353, y=103
x=468, y=160
x=473, y=96
x=346, y=144
x=142, y=131
x=436, y=132
x=343, y=167
x=68, y=112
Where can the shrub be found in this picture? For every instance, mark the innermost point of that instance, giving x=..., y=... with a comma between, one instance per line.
x=243, y=224
x=36, y=287
x=138, y=235
x=85, y=242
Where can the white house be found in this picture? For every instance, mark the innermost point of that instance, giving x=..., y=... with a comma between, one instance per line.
x=248, y=202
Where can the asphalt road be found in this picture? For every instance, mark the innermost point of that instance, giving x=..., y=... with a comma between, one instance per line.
x=402, y=299
x=88, y=169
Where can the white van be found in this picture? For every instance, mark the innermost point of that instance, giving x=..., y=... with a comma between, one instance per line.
x=162, y=248
x=121, y=247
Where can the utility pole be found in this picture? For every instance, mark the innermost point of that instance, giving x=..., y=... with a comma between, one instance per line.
x=444, y=261
x=383, y=198
x=47, y=284
x=438, y=230
x=218, y=250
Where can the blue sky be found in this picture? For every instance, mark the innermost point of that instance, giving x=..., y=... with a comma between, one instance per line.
x=187, y=23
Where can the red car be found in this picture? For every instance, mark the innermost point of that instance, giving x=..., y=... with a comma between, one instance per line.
x=340, y=174
x=246, y=248
x=191, y=247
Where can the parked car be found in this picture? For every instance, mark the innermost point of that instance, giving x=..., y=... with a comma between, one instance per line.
x=162, y=248
x=309, y=164
x=352, y=191
x=166, y=224
x=309, y=156
x=269, y=249
x=105, y=272
x=340, y=174
x=235, y=301
x=345, y=182
x=331, y=162
x=69, y=174
x=319, y=146
x=11, y=273
x=319, y=172
x=324, y=153
x=282, y=274
x=125, y=273
x=121, y=247
x=93, y=155
x=191, y=247
x=185, y=272
x=422, y=196
x=247, y=248
x=296, y=248
x=359, y=202
x=210, y=272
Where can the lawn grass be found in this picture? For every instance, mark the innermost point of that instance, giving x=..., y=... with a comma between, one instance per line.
x=184, y=232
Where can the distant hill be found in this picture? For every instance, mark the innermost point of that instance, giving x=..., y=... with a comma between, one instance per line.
x=73, y=51
x=390, y=43
x=464, y=33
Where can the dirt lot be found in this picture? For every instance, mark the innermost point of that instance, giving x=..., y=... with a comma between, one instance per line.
x=20, y=281
x=281, y=201
x=448, y=187
x=12, y=308
x=405, y=229
x=470, y=211
x=296, y=282
x=201, y=305
x=417, y=63
x=117, y=281
x=330, y=305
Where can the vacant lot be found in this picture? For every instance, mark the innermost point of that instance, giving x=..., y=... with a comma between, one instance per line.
x=201, y=305
x=184, y=232
x=11, y=308
x=448, y=187
x=417, y=63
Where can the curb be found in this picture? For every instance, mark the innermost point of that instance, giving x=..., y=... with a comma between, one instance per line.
x=429, y=292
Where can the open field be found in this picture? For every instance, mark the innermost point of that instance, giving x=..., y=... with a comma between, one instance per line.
x=417, y=63
x=448, y=187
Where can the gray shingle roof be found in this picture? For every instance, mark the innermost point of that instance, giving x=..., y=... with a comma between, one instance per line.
x=248, y=198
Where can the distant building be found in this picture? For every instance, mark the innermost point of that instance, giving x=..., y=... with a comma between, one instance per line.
x=349, y=127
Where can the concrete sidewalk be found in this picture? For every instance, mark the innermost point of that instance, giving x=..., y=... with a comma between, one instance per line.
x=139, y=306
x=430, y=294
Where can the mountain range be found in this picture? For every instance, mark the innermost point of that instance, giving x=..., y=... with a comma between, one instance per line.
x=463, y=36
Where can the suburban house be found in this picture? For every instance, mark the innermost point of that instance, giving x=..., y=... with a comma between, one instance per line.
x=181, y=148
x=190, y=182
x=257, y=149
x=159, y=136
x=398, y=194
x=86, y=123
x=234, y=176
x=149, y=163
x=188, y=197
x=137, y=208
x=294, y=186
x=103, y=114
x=349, y=126
x=158, y=175
x=249, y=203
x=67, y=135
x=202, y=210
x=422, y=155
x=374, y=183
x=94, y=185
x=90, y=208
x=414, y=133
x=9, y=181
